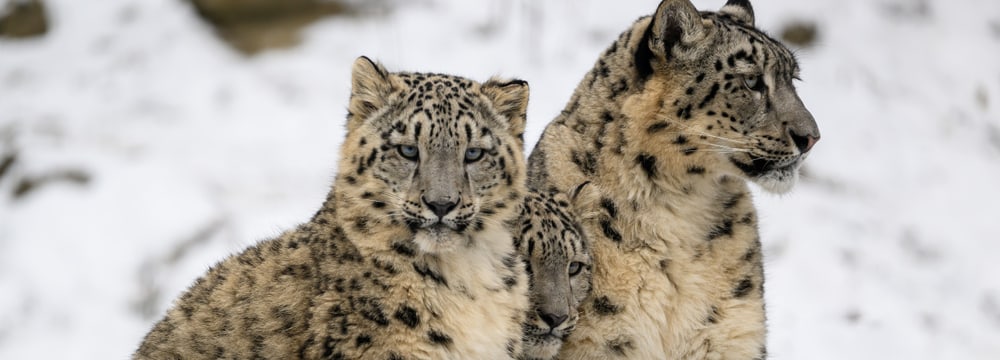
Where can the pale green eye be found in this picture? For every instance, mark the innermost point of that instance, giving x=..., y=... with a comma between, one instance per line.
x=409, y=152
x=473, y=154
x=753, y=82
x=574, y=268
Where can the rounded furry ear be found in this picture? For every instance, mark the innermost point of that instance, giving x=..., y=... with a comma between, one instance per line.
x=584, y=200
x=510, y=99
x=740, y=10
x=370, y=86
x=676, y=25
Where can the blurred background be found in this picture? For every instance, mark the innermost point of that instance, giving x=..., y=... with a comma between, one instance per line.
x=142, y=141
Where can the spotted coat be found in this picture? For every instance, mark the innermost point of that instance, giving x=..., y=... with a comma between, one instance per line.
x=556, y=252
x=676, y=116
x=401, y=261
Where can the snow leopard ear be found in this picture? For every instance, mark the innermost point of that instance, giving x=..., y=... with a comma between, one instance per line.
x=739, y=10
x=676, y=26
x=371, y=85
x=584, y=200
x=510, y=99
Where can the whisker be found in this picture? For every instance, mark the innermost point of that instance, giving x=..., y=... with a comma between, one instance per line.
x=702, y=133
x=691, y=129
x=717, y=145
x=721, y=149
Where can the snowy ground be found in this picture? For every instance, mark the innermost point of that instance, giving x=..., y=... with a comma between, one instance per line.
x=186, y=152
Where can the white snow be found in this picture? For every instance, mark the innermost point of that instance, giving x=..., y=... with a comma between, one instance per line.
x=887, y=249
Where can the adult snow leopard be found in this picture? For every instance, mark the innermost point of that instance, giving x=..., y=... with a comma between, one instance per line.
x=675, y=117
x=409, y=256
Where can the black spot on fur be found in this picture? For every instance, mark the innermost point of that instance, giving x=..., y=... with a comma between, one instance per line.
x=586, y=161
x=428, y=273
x=711, y=95
x=648, y=164
x=602, y=69
x=297, y=271
x=607, y=117
x=732, y=201
x=362, y=340
x=684, y=113
x=187, y=310
x=329, y=345
x=404, y=249
x=697, y=170
x=722, y=229
x=610, y=207
x=371, y=158
x=618, y=88
x=743, y=288
x=439, y=338
x=257, y=344
x=408, y=316
x=657, y=127
x=371, y=309
x=610, y=231
x=385, y=265
x=603, y=306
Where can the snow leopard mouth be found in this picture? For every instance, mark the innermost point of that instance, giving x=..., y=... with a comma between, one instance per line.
x=758, y=167
x=546, y=334
x=436, y=225
x=776, y=177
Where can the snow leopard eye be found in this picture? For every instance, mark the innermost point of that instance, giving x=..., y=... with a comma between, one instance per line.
x=473, y=154
x=574, y=268
x=408, y=152
x=753, y=82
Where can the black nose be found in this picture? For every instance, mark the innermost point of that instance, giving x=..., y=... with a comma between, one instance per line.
x=803, y=142
x=552, y=319
x=439, y=207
